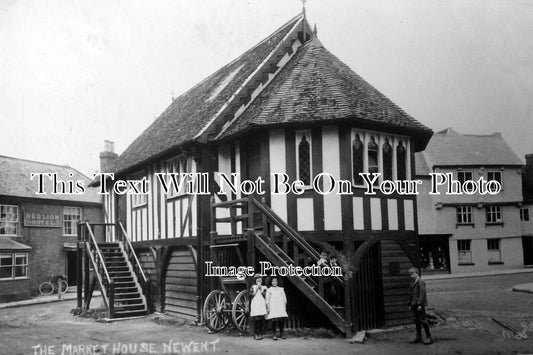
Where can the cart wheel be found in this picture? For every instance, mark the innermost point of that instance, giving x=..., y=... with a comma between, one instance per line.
x=216, y=307
x=240, y=312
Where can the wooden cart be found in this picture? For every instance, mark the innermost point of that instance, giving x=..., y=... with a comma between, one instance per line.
x=230, y=302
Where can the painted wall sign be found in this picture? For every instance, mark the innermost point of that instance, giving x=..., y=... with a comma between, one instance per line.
x=42, y=219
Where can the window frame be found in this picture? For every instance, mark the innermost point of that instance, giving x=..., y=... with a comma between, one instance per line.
x=464, y=172
x=496, y=172
x=524, y=214
x=464, y=211
x=178, y=165
x=73, y=223
x=380, y=139
x=6, y=222
x=493, y=211
x=139, y=200
x=13, y=266
x=297, y=136
x=494, y=253
x=464, y=246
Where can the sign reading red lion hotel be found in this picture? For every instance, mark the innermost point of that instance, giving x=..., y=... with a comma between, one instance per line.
x=39, y=219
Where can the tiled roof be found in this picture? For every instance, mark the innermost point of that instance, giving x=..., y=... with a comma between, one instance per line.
x=8, y=244
x=190, y=113
x=450, y=148
x=316, y=86
x=421, y=165
x=15, y=180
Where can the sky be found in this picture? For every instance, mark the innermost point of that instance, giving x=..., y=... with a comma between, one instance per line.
x=74, y=73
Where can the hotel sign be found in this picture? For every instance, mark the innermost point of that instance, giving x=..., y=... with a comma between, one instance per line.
x=42, y=219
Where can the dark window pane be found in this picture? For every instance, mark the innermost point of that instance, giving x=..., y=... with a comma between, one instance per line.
x=304, y=161
x=387, y=160
x=357, y=163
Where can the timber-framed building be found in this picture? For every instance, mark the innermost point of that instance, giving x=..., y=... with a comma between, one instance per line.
x=289, y=106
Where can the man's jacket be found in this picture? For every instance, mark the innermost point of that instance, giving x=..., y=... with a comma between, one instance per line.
x=417, y=294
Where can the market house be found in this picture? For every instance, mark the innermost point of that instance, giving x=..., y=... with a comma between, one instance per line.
x=288, y=106
x=38, y=232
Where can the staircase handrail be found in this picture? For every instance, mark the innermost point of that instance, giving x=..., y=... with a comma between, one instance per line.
x=287, y=229
x=132, y=251
x=92, y=240
x=284, y=227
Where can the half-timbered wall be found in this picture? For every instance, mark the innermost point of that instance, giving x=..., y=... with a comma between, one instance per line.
x=158, y=215
x=109, y=214
x=330, y=151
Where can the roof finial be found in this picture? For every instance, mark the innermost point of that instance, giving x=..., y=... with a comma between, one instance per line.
x=172, y=93
x=315, y=31
x=304, y=19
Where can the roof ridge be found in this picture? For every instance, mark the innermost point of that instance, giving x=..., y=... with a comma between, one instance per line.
x=237, y=58
x=36, y=161
x=44, y=163
x=245, y=82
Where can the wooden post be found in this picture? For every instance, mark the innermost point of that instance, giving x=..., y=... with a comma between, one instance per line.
x=86, y=276
x=79, y=267
x=111, y=298
x=348, y=305
x=250, y=237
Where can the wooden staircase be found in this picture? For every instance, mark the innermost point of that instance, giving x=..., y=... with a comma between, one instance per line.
x=282, y=246
x=129, y=299
x=123, y=284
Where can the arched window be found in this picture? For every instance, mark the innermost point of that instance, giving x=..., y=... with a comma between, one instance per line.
x=357, y=159
x=304, y=160
x=387, y=160
x=400, y=161
x=372, y=156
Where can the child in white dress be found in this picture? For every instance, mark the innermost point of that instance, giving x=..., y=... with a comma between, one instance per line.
x=258, y=306
x=276, y=303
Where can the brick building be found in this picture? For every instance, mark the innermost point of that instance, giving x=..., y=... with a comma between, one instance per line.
x=466, y=233
x=38, y=233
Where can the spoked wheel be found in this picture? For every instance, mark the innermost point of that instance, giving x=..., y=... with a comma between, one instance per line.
x=46, y=288
x=64, y=286
x=216, y=309
x=240, y=311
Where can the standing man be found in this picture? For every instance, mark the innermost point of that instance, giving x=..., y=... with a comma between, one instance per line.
x=418, y=303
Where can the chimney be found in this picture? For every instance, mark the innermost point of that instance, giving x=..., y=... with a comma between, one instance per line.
x=107, y=157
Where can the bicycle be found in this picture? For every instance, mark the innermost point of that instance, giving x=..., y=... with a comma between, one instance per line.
x=50, y=286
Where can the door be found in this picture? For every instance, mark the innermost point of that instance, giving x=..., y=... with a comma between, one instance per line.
x=71, y=268
x=527, y=245
x=368, y=292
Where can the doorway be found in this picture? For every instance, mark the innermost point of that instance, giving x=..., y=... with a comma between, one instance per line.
x=71, y=267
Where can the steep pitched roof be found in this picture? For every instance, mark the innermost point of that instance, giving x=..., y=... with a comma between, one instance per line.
x=450, y=148
x=313, y=86
x=316, y=86
x=15, y=180
x=191, y=113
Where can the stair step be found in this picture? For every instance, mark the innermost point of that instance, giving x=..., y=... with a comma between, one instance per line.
x=123, y=278
x=134, y=300
x=125, y=314
x=128, y=307
x=126, y=294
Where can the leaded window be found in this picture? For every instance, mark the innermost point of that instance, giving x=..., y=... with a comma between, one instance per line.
x=357, y=159
x=304, y=157
x=401, y=161
x=387, y=160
